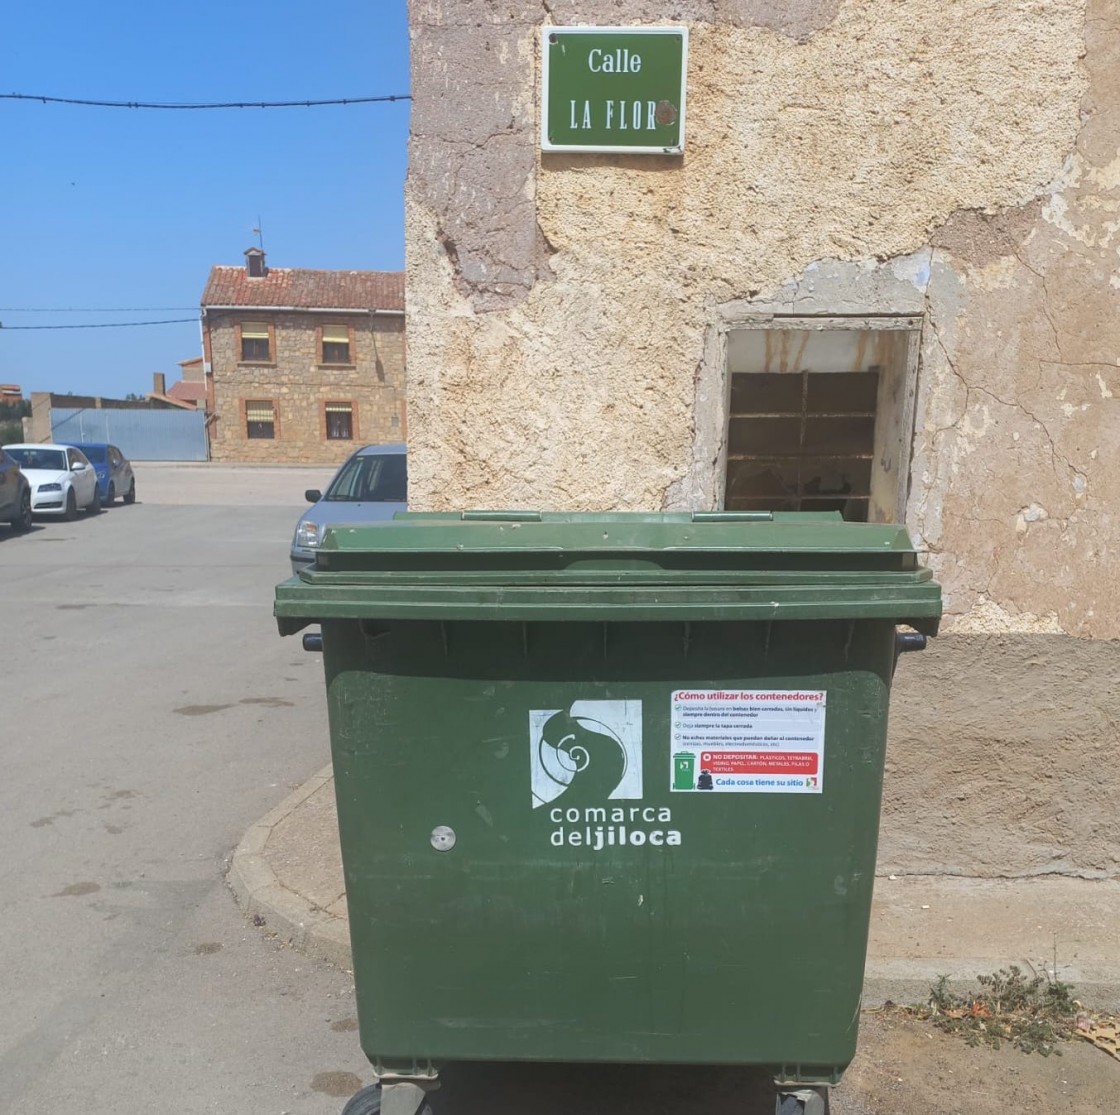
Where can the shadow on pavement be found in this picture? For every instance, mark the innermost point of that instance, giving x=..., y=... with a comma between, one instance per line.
x=554, y=1089
x=7, y=531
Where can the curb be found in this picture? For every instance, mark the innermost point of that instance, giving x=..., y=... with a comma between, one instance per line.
x=306, y=926
x=291, y=917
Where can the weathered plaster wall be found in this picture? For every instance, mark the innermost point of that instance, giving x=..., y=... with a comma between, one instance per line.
x=957, y=160
x=1017, y=468
x=561, y=308
x=1001, y=759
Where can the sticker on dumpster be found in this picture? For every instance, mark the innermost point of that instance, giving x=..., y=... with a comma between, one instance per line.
x=589, y=752
x=745, y=741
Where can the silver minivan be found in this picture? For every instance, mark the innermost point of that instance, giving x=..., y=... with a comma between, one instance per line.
x=371, y=487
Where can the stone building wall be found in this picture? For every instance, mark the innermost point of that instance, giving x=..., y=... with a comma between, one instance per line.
x=958, y=162
x=299, y=386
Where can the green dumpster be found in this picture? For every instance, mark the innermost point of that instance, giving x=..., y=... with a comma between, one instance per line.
x=608, y=785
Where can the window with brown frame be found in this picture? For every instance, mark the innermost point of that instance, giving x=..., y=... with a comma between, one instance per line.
x=340, y=421
x=336, y=344
x=255, y=342
x=260, y=418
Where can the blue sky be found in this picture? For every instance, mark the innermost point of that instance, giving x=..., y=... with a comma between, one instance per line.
x=127, y=209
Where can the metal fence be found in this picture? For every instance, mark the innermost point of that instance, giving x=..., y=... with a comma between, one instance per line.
x=141, y=435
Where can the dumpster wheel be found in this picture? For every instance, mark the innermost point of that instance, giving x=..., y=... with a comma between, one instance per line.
x=801, y=1101
x=368, y=1102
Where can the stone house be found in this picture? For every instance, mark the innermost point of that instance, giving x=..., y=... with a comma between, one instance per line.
x=882, y=277
x=302, y=366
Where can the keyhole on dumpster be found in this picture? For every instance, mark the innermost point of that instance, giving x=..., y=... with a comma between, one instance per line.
x=443, y=838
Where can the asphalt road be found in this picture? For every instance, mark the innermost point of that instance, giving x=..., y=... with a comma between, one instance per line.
x=149, y=713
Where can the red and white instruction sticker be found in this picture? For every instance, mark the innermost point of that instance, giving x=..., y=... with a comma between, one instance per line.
x=769, y=741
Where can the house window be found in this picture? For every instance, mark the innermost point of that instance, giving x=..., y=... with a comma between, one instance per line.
x=340, y=421
x=336, y=344
x=255, y=345
x=820, y=418
x=260, y=418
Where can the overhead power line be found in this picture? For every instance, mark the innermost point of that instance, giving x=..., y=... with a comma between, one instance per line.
x=213, y=104
x=93, y=309
x=102, y=324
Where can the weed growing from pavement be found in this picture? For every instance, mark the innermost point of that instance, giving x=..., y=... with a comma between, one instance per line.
x=1031, y=1013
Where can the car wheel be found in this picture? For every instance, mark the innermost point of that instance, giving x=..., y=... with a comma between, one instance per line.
x=71, y=512
x=130, y=495
x=94, y=505
x=23, y=521
x=110, y=496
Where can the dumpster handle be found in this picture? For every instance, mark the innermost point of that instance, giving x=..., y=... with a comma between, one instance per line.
x=313, y=640
x=732, y=516
x=501, y=516
x=909, y=640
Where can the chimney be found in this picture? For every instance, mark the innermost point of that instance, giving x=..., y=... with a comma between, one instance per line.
x=254, y=263
x=159, y=383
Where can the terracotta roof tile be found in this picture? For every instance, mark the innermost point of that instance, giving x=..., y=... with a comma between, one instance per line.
x=312, y=290
x=187, y=391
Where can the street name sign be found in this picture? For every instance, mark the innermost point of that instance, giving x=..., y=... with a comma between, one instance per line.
x=613, y=89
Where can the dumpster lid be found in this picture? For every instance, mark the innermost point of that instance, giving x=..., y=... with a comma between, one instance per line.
x=528, y=565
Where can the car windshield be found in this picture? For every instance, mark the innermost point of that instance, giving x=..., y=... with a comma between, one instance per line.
x=94, y=453
x=53, y=459
x=377, y=478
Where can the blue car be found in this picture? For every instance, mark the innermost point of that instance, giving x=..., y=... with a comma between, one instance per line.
x=114, y=472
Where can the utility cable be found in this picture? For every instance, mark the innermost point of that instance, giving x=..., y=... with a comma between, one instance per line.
x=93, y=309
x=203, y=105
x=101, y=324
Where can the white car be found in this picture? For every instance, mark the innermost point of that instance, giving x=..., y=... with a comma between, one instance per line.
x=61, y=479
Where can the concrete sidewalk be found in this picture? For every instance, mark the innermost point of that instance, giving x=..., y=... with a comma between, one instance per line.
x=288, y=872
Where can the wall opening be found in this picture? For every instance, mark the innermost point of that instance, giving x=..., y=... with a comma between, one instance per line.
x=820, y=415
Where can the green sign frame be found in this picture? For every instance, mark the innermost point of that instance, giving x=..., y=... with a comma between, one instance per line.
x=614, y=89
